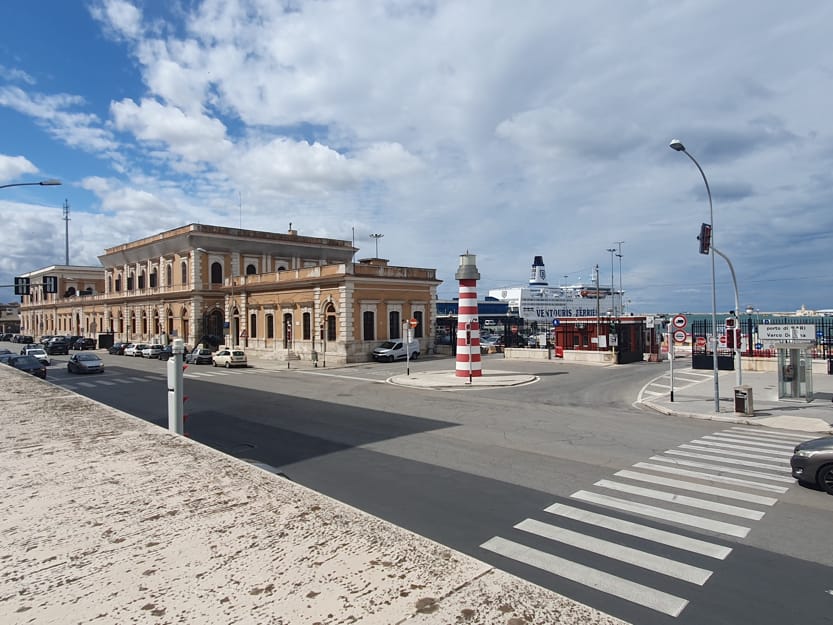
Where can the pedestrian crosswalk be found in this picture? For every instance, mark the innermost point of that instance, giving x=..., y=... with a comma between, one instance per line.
x=660, y=521
x=111, y=380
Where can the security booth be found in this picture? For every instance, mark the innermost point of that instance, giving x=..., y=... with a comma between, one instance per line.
x=795, y=370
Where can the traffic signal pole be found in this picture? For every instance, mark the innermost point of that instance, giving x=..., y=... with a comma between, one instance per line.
x=737, y=350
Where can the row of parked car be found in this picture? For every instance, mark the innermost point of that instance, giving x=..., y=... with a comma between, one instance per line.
x=223, y=357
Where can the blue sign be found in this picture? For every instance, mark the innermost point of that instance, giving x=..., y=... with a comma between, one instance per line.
x=820, y=333
x=555, y=322
x=759, y=345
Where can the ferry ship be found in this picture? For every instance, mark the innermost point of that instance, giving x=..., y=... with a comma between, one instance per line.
x=540, y=302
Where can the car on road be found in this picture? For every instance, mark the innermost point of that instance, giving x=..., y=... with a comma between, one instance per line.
x=85, y=363
x=152, y=350
x=812, y=463
x=84, y=343
x=5, y=357
x=230, y=358
x=396, y=350
x=40, y=354
x=200, y=356
x=134, y=349
x=29, y=364
x=117, y=349
x=57, y=345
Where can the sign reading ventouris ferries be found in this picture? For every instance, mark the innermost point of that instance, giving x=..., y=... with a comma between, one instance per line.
x=798, y=332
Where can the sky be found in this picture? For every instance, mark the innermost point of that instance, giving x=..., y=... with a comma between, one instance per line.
x=502, y=129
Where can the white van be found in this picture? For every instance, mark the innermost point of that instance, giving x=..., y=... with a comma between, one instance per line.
x=396, y=350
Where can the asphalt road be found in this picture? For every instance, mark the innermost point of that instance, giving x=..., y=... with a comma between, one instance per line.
x=526, y=478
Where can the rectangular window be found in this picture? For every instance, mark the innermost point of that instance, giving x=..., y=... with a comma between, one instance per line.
x=369, y=325
x=331, y=328
x=307, y=326
x=270, y=326
x=393, y=325
x=418, y=329
x=253, y=326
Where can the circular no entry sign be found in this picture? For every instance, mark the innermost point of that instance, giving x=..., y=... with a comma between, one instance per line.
x=680, y=336
x=679, y=321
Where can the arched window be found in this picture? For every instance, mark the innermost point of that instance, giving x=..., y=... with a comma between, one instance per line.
x=109, y=283
x=253, y=326
x=130, y=281
x=307, y=326
x=141, y=280
x=153, y=278
x=183, y=270
x=393, y=324
x=251, y=269
x=369, y=325
x=169, y=275
x=118, y=282
x=270, y=326
x=216, y=273
x=330, y=313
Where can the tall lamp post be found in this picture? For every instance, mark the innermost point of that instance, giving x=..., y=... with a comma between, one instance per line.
x=612, y=251
x=43, y=183
x=621, y=292
x=376, y=237
x=678, y=146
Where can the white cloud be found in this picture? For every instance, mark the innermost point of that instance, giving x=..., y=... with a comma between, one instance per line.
x=12, y=167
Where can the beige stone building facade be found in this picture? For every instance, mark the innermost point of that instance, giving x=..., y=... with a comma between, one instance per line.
x=281, y=296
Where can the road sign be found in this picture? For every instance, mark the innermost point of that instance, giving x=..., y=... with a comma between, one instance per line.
x=414, y=323
x=680, y=336
x=244, y=334
x=701, y=341
x=679, y=321
x=722, y=339
x=555, y=322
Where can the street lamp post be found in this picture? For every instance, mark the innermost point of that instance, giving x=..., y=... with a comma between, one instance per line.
x=43, y=183
x=612, y=250
x=621, y=292
x=678, y=146
x=376, y=237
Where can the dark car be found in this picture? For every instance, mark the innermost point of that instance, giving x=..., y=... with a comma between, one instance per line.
x=168, y=352
x=85, y=363
x=6, y=357
x=83, y=343
x=812, y=463
x=57, y=346
x=29, y=364
x=117, y=348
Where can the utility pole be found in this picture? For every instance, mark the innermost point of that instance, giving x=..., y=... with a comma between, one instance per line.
x=621, y=292
x=598, y=302
x=66, y=231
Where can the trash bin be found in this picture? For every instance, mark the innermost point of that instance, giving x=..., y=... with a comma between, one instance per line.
x=743, y=400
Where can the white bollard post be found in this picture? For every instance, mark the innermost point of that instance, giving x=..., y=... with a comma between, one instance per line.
x=175, y=406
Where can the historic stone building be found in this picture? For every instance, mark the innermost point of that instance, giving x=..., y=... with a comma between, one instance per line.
x=281, y=296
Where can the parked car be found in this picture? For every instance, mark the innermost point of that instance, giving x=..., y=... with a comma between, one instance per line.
x=396, y=350
x=152, y=350
x=134, y=349
x=29, y=364
x=84, y=343
x=812, y=463
x=168, y=352
x=40, y=354
x=200, y=356
x=57, y=346
x=117, y=349
x=85, y=363
x=6, y=357
x=230, y=358
x=6, y=336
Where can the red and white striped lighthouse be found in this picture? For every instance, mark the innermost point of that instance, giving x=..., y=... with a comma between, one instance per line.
x=468, y=324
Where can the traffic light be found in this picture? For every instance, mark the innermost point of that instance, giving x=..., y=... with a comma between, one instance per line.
x=705, y=238
x=50, y=284
x=732, y=333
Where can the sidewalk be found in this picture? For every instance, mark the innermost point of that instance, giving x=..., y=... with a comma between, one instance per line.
x=694, y=398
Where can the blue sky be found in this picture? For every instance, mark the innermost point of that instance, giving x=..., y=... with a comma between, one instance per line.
x=505, y=129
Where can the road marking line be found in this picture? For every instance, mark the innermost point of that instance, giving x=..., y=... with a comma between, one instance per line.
x=86, y=384
x=717, y=467
x=663, y=537
x=345, y=377
x=748, y=447
x=730, y=529
x=135, y=379
x=629, y=555
x=711, y=477
x=106, y=382
x=684, y=500
x=581, y=574
x=700, y=488
x=736, y=438
x=737, y=454
x=767, y=434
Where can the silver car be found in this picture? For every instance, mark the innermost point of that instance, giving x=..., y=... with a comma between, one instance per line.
x=812, y=463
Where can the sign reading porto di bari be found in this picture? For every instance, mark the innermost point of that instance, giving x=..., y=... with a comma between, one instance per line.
x=798, y=332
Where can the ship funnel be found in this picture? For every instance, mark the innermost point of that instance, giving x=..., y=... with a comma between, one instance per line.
x=538, y=277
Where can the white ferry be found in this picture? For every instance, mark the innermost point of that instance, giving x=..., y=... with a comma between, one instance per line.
x=543, y=303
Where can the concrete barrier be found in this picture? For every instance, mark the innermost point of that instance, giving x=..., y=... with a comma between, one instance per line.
x=109, y=519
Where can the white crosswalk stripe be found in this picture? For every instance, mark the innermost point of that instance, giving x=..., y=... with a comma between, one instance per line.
x=749, y=465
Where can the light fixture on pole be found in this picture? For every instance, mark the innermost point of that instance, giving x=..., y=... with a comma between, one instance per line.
x=376, y=237
x=612, y=250
x=678, y=146
x=43, y=183
x=621, y=292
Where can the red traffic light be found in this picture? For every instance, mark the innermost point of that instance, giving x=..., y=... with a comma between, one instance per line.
x=705, y=238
